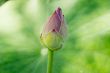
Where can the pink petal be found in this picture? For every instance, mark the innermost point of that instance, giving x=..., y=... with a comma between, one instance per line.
x=63, y=28
x=54, y=22
x=59, y=12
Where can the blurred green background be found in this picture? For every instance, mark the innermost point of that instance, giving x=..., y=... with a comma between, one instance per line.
x=86, y=50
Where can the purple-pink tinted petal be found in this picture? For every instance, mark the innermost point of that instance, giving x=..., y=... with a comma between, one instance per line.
x=63, y=28
x=59, y=12
x=54, y=22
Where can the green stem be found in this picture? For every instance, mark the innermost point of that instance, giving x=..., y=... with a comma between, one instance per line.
x=50, y=61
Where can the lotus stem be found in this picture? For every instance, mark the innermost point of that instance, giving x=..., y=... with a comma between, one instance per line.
x=50, y=61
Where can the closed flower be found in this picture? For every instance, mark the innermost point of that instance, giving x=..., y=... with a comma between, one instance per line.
x=54, y=31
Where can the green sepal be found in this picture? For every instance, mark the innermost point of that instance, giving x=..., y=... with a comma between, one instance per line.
x=52, y=41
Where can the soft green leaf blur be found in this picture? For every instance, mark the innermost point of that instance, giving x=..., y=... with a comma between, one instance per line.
x=2, y=2
x=86, y=50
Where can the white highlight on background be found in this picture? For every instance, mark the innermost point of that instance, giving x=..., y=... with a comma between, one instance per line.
x=44, y=51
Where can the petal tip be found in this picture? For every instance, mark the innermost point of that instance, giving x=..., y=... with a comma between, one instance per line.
x=58, y=10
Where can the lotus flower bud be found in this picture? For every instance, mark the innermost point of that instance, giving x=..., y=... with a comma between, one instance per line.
x=54, y=31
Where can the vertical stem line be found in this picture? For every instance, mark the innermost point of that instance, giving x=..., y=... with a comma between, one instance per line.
x=50, y=61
